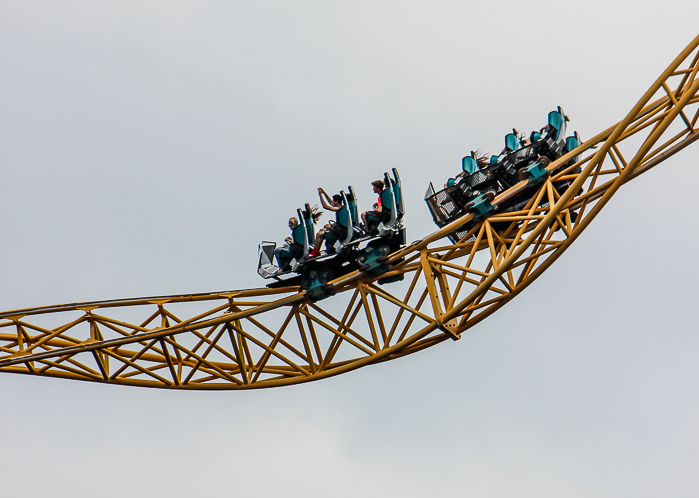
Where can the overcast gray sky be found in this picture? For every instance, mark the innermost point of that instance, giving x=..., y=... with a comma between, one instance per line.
x=146, y=148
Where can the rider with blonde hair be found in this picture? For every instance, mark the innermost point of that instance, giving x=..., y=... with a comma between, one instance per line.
x=290, y=250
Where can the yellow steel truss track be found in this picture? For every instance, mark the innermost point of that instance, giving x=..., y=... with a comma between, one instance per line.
x=273, y=337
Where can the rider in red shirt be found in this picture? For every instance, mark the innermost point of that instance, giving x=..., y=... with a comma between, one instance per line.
x=373, y=218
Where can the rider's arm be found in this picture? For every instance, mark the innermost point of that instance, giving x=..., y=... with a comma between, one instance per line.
x=326, y=205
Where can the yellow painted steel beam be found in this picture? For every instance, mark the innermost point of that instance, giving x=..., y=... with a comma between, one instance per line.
x=257, y=338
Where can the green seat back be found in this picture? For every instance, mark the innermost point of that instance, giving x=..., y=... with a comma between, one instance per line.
x=352, y=203
x=353, y=212
x=572, y=143
x=342, y=216
x=493, y=159
x=386, y=199
x=297, y=234
x=512, y=142
x=310, y=230
x=469, y=165
x=556, y=120
x=396, y=193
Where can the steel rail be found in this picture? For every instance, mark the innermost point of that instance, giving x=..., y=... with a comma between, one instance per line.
x=376, y=325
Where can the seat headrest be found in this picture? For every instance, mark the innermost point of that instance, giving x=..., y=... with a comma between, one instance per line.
x=512, y=142
x=469, y=165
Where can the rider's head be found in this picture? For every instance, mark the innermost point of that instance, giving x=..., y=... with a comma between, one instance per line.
x=337, y=200
x=378, y=186
x=293, y=221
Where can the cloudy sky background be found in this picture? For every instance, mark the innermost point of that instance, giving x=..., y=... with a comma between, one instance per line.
x=145, y=149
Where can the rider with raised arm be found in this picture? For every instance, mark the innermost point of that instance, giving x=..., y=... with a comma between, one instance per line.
x=329, y=231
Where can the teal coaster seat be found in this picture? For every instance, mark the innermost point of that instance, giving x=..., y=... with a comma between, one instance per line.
x=469, y=165
x=386, y=203
x=572, y=143
x=342, y=219
x=335, y=239
x=389, y=213
x=512, y=142
x=298, y=234
x=352, y=203
x=342, y=216
x=356, y=230
x=556, y=121
x=310, y=229
x=398, y=193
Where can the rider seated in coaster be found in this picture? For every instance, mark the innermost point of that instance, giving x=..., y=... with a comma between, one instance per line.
x=542, y=133
x=329, y=232
x=290, y=250
x=550, y=129
x=371, y=219
x=477, y=160
x=516, y=141
x=524, y=139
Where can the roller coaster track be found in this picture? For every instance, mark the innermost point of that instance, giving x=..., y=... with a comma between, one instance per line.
x=258, y=338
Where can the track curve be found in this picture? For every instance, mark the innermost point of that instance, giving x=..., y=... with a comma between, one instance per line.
x=259, y=338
